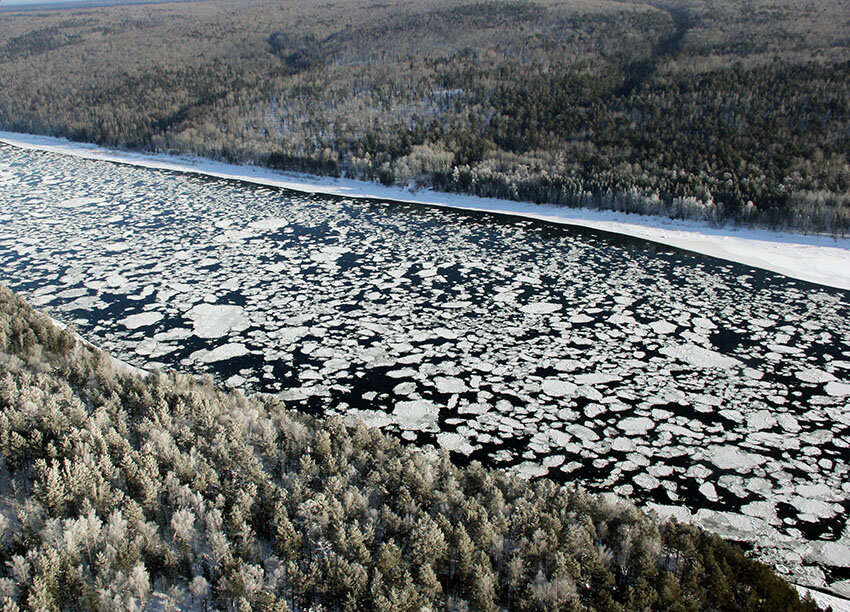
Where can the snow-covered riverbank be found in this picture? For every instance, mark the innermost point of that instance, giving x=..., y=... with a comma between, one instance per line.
x=818, y=259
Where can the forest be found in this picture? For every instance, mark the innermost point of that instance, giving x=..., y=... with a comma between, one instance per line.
x=719, y=110
x=123, y=490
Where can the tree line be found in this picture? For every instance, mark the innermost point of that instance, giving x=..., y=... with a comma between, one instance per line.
x=119, y=491
x=717, y=111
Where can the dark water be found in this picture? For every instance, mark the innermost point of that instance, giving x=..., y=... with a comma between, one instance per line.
x=664, y=376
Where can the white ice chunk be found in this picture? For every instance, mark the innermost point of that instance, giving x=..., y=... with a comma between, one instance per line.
x=215, y=321
x=698, y=356
x=584, y=433
x=837, y=389
x=558, y=388
x=734, y=526
x=540, y=308
x=636, y=425
x=371, y=418
x=328, y=255
x=529, y=469
x=450, y=384
x=814, y=508
x=402, y=373
x=733, y=458
x=761, y=419
x=419, y=415
x=567, y=365
x=813, y=375
x=221, y=353
x=116, y=280
x=624, y=445
x=596, y=379
x=646, y=481
x=708, y=490
x=836, y=554
x=665, y=513
x=455, y=442
x=789, y=423
x=662, y=328
x=269, y=224
x=143, y=319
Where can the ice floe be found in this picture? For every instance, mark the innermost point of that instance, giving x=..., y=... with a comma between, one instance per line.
x=540, y=308
x=221, y=353
x=699, y=356
x=216, y=320
x=727, y=457
x=143, y=319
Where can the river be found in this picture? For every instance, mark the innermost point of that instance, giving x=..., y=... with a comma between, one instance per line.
x=697, y=388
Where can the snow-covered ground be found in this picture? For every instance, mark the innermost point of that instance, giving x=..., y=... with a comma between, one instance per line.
x=826, y=601
x=814, y=258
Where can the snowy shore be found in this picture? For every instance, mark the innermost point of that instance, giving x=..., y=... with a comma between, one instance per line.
x=815, y=258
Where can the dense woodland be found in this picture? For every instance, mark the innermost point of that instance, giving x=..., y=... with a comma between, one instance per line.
x=120, y=492
x=708, y=109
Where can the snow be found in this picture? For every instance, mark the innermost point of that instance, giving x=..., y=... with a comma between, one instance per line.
x=814, y=258
x=119, y=365
x=215, y=321
x=825, y=601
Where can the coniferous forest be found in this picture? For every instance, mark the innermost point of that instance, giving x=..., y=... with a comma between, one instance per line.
x=126, y=492
x=705, y=109
x=129, y=490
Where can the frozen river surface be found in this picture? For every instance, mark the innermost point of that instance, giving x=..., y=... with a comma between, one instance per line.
x=707, y=390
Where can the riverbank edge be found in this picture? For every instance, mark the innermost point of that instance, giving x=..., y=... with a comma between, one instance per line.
x=819, y=259
x=825, y=599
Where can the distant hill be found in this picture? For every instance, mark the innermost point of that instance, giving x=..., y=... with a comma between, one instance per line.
x=68, y=5
x=718, y=110
x=120, y=492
